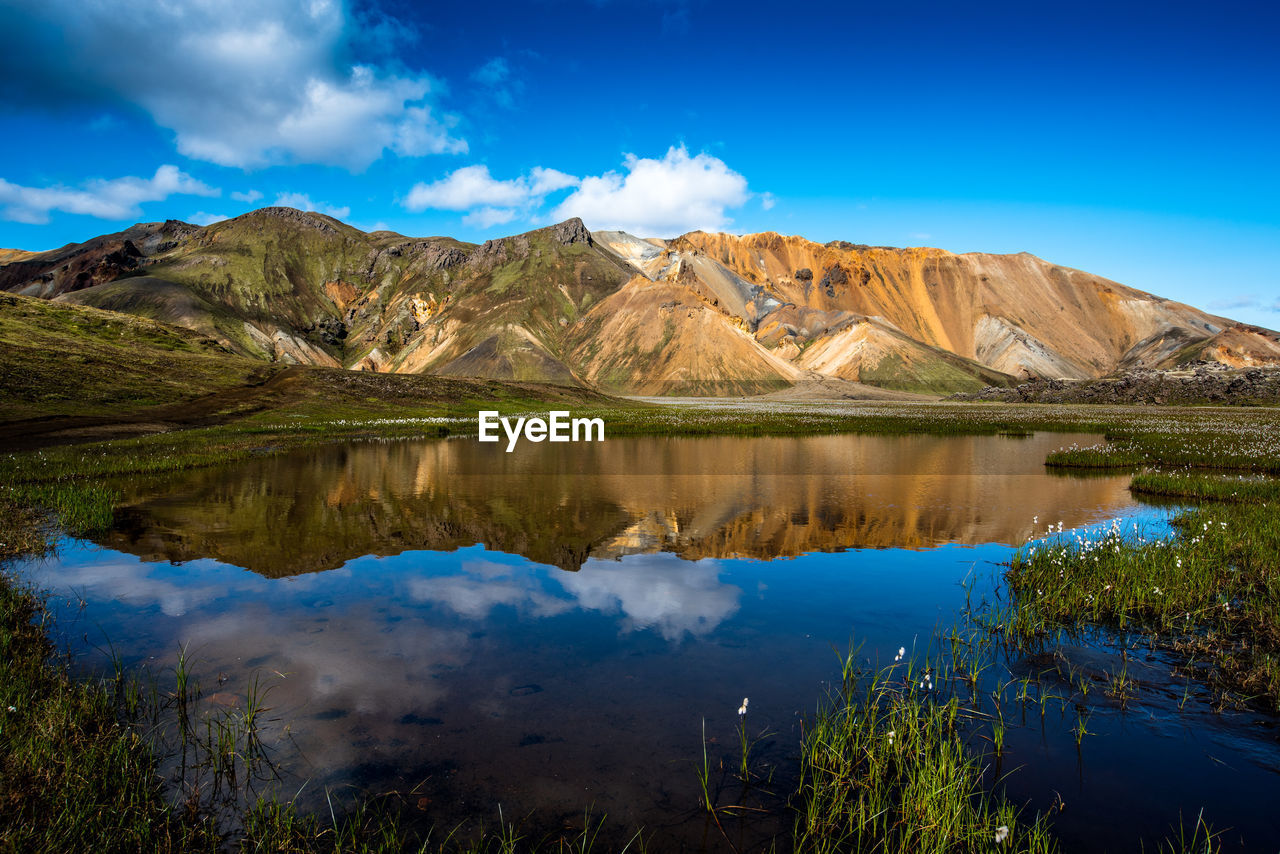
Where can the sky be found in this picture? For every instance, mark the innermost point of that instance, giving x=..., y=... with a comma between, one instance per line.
x=1135, y=141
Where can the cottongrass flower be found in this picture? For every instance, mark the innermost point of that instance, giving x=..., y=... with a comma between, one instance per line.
x=1002, y=833
x=892, y=733
x=742, y=710
x=902, y=650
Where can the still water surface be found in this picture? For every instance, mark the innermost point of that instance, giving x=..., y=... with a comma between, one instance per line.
x=548, y=629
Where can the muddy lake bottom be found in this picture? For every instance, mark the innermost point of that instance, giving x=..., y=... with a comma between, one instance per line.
x=549, y=631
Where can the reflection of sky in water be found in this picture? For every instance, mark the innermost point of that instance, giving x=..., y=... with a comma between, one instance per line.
x=484, y=678
x=481, y=642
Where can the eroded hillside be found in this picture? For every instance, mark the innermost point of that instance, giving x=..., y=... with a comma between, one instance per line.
x=701, y=314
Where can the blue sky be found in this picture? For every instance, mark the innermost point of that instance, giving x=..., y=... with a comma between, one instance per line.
x=1138, y=142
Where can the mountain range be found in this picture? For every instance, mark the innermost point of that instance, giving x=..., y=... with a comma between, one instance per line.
x=702, y=314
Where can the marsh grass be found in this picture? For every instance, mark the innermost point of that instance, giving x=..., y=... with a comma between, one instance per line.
x=1210, y=590
x=894, y=762
x=1189, y=442
x=73, y=777
x=1199, y=486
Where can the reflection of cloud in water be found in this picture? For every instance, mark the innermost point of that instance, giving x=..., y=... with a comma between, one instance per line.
x=658, y=591
x=355, y=667
x=129, y=580
x=654, y=591
x=485, y=586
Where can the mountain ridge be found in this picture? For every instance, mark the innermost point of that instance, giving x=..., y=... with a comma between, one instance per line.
x=703, y=313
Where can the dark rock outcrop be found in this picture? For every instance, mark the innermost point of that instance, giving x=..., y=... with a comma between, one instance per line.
x=572, y=231
x=1194, y=383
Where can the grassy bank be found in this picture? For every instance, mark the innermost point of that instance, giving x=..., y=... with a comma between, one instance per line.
x=1247, y=489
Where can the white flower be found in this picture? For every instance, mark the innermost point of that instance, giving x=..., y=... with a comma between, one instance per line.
x=1002, y=833
x=902, y=650
x=892, y=733
x=742, y=710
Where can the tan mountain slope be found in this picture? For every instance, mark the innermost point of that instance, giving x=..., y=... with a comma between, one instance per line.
x=789, y=336
x=663, y=338
x=10, y=255
x=1014, y=313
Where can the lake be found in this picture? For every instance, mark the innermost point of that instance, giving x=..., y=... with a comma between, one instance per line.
x=548, y=630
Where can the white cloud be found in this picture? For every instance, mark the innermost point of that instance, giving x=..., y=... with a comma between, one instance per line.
x=768, y=200
x=202, y=218
x=248, y=197
x=664, y=197
x=303, y=202
x=473, y=187
x=244, y=83
x=487, y=217
x=114, y=199
x=662, y=592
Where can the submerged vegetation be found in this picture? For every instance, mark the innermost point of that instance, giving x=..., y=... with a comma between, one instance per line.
x=904, y=757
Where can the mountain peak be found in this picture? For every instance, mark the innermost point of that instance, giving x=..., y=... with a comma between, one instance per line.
x=306, y=219
x=572, y=230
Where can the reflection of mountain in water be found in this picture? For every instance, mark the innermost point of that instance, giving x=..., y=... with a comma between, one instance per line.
x=560, y=504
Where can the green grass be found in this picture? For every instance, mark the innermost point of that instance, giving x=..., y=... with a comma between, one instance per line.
x=888, y=766
x=80, y=769
x=1207, y=487
x=72, y=777
x=1211, y=592
x=1250, y=443
x=64, y=359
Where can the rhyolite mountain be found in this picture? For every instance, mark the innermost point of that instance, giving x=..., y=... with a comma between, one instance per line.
x=700, y=314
